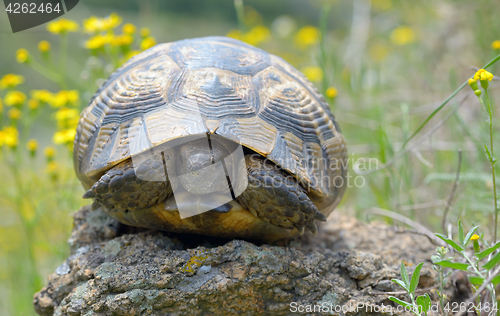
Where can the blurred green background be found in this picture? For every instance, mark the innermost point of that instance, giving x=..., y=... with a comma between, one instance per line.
x=384, y=66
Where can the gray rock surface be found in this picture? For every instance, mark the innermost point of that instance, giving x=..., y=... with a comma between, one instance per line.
x=118, y=270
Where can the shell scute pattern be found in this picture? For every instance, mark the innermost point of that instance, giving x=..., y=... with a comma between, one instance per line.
x=214, y=53
x=175, y=89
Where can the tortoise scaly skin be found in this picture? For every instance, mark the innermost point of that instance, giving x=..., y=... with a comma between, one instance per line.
x=233, y=94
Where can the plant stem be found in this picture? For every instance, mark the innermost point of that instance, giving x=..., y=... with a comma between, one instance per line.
x=323, y=26
x=240, y=14
x=27, y=227
x=492, y=162
x=63, y=52
x=474, y=266
x=414, y=305
x=48, y=73
x=441, y=286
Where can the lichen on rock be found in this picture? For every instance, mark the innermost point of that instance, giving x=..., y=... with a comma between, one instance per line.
x=119, y=270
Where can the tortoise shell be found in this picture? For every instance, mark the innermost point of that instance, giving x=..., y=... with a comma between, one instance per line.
x=214, y=85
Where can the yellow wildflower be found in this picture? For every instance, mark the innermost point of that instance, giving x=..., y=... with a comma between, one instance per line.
x=307, y=36
x=474, y=237
x=122, y=40
x=32, y=146
x=257, y=35
x=63, y=98
x=313, y=73
x=33, y=104
x=15, y=98
x=72, y=96
x=145, y=32
x=483, y=75
x=95, y=24
x=10, y=136
x=331, y=92
x=44, y=46
x=98, y=41
x=10, y=81
x=495, y=45
x=129, y=28
x=62, y=26
x=58, y=100
x=148, y=42
x=14, y=114
x=42, y=95
x=66, y=114
x=403, y=35
x=22, y=55
x=65, y=136
x=49, y=152
x=112, y=21
x=236, y=34
x=52, y=167
x=484, y=78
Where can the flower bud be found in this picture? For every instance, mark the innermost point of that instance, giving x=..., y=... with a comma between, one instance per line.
x=475, y=242
x=50, y=153
x=32, y=146
x=23, y=56
x=44, y=46
x=473, y=84
x=331, y=92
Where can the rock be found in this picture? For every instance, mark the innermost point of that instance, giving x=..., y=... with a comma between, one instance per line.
x=118, y=270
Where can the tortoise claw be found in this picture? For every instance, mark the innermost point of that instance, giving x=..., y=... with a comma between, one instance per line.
x=89, y=194
x=320, y=216
x=95, y=206
x=313, y=228
x=301, y=230
x=222, y=209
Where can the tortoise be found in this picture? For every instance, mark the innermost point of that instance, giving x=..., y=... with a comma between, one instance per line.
x=154, y=137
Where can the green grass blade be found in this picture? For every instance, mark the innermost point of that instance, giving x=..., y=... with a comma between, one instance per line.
x=433, y=113
x=460, y=233
x=323, y=27
x=415, y=277
x=494, y=60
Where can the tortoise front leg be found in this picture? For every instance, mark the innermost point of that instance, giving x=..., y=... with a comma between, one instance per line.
x=277, y=197
x=121, y=190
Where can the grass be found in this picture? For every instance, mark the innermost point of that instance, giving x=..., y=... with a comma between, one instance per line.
x=389, y=83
